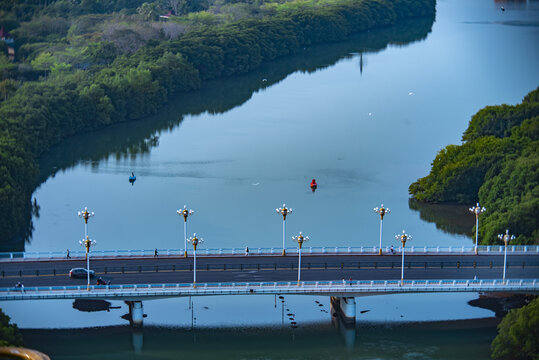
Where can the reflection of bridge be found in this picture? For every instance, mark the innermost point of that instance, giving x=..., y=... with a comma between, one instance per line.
x=341, y=275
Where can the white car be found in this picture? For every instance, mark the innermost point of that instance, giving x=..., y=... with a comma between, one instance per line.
x=80, y=273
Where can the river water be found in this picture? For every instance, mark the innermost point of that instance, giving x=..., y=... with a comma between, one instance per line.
x=364, y=117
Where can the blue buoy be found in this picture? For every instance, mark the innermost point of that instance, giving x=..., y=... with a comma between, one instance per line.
x=132, y=179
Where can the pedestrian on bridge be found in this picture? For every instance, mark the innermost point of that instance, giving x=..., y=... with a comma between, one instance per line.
x=246, y=251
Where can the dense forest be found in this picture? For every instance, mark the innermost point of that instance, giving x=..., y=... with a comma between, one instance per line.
x=77, y=66
x=498, y=165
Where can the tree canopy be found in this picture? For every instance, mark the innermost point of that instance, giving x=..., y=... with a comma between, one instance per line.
x=518, y=334
x=497, y=165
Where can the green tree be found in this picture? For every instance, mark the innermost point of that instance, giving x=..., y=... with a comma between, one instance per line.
x=44, y=62
x=9, y=333
x=148, y=11
x=7, y=87
x=518, y=334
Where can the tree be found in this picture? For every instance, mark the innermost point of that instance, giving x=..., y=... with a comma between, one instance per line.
x=44, y=62
x=9, y=333
x=518, y=334
x=148, y=11
x=7, y=87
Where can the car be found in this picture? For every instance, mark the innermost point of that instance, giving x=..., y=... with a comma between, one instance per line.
x=80, y=273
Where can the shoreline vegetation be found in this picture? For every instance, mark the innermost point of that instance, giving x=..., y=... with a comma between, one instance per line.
x=71, y=76
x=497, y=165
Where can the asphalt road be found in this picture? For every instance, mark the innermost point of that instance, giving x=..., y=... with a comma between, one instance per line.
x=269, y=268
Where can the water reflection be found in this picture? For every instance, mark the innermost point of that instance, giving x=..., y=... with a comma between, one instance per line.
x=127, y=140
x=463, y=339
x=452, y=219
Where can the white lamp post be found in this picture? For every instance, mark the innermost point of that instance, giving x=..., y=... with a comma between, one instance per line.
x=477, y=210
x=86, y=241
x=185, y=212
x=284, y=211
x=300, y=239
x=195, y=241
x=403, y=238
x=381, y=211
x=505, y=237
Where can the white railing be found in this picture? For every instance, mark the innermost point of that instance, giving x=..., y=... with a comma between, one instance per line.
x=351, y=288
x=335, y=250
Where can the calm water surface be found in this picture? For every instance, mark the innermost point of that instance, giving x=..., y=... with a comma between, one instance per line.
x=365, y=120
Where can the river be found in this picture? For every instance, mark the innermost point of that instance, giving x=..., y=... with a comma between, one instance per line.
x=364, y=118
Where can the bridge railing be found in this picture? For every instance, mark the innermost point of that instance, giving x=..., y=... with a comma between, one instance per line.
x=324, y=250
x=305, y=287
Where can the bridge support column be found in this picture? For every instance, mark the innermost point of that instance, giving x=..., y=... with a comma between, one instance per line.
x=136, y=312
x=345, y=308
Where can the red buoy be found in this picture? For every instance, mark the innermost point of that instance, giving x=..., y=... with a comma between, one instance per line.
x=313, y=185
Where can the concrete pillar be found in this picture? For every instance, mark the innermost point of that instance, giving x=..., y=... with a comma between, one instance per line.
x=348, y=307
x=137, y=313
x=345, y=308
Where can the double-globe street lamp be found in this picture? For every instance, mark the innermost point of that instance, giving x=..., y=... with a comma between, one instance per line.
x=87, y=242
x=404, y=237
x=185, y=212
x=477, y=210
x=195, y=241
x=505, y=238
x=381, y=211
x=300, y=239
x=284, y=211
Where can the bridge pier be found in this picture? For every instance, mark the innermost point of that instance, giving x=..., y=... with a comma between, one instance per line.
x=345, y=309
x=136, y=313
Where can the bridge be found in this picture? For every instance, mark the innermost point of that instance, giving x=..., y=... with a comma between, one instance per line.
x=342, y=273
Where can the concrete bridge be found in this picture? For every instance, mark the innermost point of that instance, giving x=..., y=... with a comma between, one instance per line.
x=342, y=293
x=343, y=274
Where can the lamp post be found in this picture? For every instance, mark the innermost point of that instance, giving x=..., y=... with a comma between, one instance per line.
x=505, y=237
x=477, y=210
x=195, y=241
x=185, y=212
x=300, y=239
x=403, y=238
x=284, y=211
x=381, y=211
x=86, y=241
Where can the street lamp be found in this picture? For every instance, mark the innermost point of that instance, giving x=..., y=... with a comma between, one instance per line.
x=195, y=241
x=300, y=239
x=505, y=237
x=284, y=211
x=86, y=241
x=185, y=212
x=382, y=211
x=477, y=210
x=85, y=214
x=403, y=238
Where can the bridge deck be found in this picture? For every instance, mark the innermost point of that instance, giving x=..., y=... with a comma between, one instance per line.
x=333, y=288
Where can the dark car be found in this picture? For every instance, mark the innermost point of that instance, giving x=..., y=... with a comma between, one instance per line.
x=80, y=273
